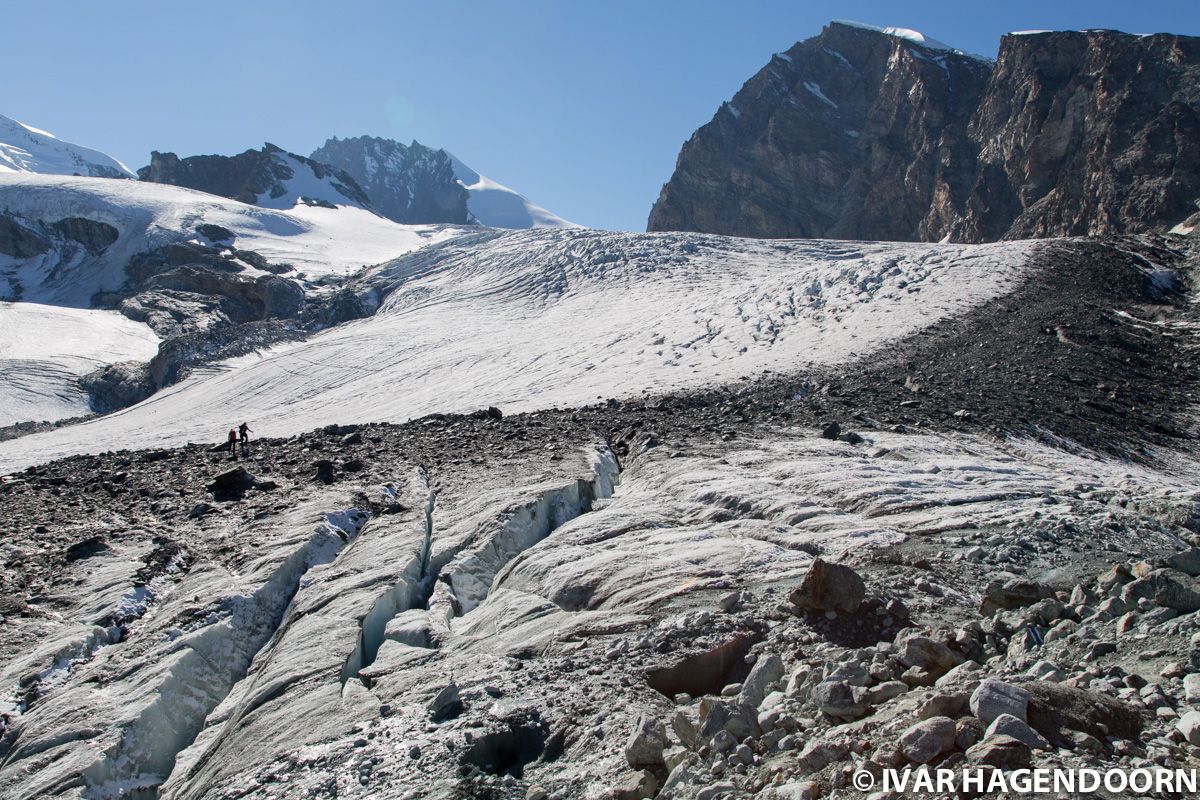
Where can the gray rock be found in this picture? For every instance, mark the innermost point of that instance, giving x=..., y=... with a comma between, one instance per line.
x=1008, y=725
x=1189, y=726
x=766, y=670
x=644, y=748
x=921, y=651
x=1191, y=687
x=839, y=699
x=686, y=726
x=410, y=184
x=818, y=755
x=962, y=140
x=928, y=739
x=886, y=691
x=995, y=697
x=445, y=704
x=942, y=704
x=1014, y=593
x=1186, y=561
x=738, y=719
x=1168, y=588
x=794, y=790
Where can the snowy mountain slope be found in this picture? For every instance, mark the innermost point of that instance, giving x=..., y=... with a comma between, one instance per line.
x=27, y=149
x=44, y=350
x=317, y=241
x=498, y=206
x=540, y=319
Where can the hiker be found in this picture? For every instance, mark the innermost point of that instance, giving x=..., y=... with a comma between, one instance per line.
x=232, y=443
x=244, y=433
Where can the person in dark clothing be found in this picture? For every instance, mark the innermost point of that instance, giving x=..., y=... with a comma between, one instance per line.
x=232, y=445
x=244, y=433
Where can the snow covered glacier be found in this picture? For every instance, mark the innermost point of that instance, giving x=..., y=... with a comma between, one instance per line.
x=537, y=319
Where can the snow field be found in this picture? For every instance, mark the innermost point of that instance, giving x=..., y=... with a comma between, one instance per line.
x=45, y=349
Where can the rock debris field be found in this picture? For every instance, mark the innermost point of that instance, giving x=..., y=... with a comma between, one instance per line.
x=978, y=548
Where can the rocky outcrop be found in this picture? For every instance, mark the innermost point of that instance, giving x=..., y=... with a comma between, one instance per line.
x=258, y=177
x=1085, y=133
x=19, y=241
x=861, y=133
x=405, y=183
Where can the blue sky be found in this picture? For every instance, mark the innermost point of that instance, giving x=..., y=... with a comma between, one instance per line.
x=582, y=106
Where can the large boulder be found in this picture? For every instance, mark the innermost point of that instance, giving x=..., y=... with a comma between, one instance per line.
x=1008, y=725
x=918, y=650
x=1189, y=726
x=232, y=484
x=645, y=745
x=928, y=739
x=766, y=670
x=1055, y=710
x=995, y=697
x=1015, y=593
x=1167, y=588
x=829, y=587
x=840, y=699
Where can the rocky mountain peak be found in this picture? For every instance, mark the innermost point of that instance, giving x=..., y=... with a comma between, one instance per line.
x=406, y=183
x=271, y=177
x=883, y=133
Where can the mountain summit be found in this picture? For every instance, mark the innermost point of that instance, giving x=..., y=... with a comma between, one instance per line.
x=882, y=133
x=417, y=184
x=26, y=149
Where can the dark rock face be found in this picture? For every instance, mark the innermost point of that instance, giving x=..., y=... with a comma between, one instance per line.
x=247, y=176
x=857, y=134
x=94, y=236
x=18, y=241
x=407, y=183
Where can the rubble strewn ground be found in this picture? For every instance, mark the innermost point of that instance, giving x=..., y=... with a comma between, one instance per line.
x=989, y=560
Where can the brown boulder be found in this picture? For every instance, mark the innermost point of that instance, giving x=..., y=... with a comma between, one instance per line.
x=829, y=587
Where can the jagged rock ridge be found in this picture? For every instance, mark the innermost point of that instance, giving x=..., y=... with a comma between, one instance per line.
x=860, y=133
x=268, y=177
x=406, y=183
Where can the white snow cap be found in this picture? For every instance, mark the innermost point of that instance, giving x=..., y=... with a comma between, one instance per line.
x=24, y=148
x=497, y=206
x=909, y=35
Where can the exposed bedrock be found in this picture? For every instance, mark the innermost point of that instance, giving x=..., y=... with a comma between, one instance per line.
x=858, y=134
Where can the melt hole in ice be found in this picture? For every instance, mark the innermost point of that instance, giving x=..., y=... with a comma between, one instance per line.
x=707, y=672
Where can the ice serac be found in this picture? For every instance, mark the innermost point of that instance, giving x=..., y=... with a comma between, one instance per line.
x=882, y=133
x=24, y=148
x=270, y=177
x=405, y=183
